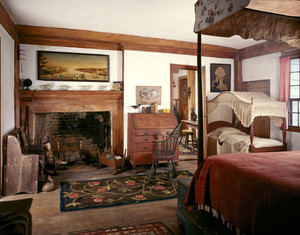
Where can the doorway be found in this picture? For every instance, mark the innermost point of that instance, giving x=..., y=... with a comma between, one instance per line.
x=183, y=91
x=178, y=90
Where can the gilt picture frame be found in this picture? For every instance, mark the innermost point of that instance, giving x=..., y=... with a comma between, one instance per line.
x=66, y=66
x=148, y=95
x=220, y=77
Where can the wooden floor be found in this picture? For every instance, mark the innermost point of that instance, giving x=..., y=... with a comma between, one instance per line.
x=48, y=219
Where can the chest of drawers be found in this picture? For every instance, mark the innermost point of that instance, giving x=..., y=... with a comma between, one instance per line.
x=142, y=129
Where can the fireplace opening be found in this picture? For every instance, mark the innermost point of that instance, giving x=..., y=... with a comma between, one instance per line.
x=74, y=136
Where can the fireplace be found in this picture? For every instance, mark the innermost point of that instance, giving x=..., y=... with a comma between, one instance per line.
x=98, y=105
x=75, y=135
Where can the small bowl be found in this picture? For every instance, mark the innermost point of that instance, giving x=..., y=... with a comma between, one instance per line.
x=86, y=87
x=64, y=87
x=47, y=86
x=102, y=87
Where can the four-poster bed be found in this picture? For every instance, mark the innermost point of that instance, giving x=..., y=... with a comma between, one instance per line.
x=254, y=193
x=226, y=18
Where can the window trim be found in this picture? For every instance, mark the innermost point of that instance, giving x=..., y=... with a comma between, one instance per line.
x=293, y=128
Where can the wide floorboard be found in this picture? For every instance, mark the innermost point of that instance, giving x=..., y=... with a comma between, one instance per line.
x=48, y=219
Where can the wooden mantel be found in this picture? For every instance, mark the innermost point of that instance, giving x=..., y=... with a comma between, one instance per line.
x=74, y=101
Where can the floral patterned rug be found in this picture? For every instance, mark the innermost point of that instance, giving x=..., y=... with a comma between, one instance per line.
x=78, y=195
x=187, y=150
x=156, y=228
x=186, y=154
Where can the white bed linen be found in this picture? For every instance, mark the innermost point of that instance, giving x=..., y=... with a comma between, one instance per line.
x=232, y=140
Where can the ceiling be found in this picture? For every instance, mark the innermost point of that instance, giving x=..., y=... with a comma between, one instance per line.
x=168, y=19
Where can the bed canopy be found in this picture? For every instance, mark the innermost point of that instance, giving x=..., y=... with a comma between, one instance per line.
x=227, y=18
x=248, y=105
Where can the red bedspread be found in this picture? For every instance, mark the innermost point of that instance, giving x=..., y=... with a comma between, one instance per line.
x=259, y=193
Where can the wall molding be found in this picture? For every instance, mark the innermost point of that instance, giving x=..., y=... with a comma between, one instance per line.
x=98, y=40
x=7, y=22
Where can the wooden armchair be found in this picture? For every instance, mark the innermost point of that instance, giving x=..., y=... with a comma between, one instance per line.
x=165, y=150
x=20, y=170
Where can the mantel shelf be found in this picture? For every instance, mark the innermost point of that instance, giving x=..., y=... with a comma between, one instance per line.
x=59, y=94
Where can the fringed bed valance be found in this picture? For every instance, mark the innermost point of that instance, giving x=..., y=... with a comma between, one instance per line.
x=248, y=105
x=253, y=24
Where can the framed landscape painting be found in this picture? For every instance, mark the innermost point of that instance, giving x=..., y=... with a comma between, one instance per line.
x=63, y=66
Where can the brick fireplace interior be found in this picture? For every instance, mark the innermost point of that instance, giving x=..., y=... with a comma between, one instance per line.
x=72, y=120
x=75, y=135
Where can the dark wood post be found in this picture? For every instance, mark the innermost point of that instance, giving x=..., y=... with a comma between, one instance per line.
x=200, y=104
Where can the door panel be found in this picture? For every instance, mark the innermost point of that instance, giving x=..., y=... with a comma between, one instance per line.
x=183, y=101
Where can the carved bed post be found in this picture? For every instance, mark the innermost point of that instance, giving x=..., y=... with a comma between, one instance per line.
x=284, y=133
x=251, y=147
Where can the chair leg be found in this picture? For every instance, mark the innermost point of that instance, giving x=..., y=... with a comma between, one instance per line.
x=174, y=168
x=155, y=166
x=180, y=139
x=192, y=140
x=55, y=167
x=170, y=172
x=151, y=171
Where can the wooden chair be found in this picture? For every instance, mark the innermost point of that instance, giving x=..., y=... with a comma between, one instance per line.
x=165, y=150
x=15, y=217
x=20, y=170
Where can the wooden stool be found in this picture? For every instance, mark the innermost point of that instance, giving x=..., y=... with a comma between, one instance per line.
x=195, y=143
x=187, y=134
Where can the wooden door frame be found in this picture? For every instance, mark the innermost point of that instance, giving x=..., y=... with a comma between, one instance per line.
x=174, y=67
x=1, y=154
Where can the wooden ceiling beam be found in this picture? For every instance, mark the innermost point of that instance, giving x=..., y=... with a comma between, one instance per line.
x=98, y=40
x=263, y=49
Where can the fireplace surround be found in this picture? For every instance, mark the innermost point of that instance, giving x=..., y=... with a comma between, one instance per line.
x=42, y=102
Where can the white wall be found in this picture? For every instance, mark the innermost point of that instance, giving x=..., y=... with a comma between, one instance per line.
x=7, y=84
x=262, y=68
x=267, y=67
